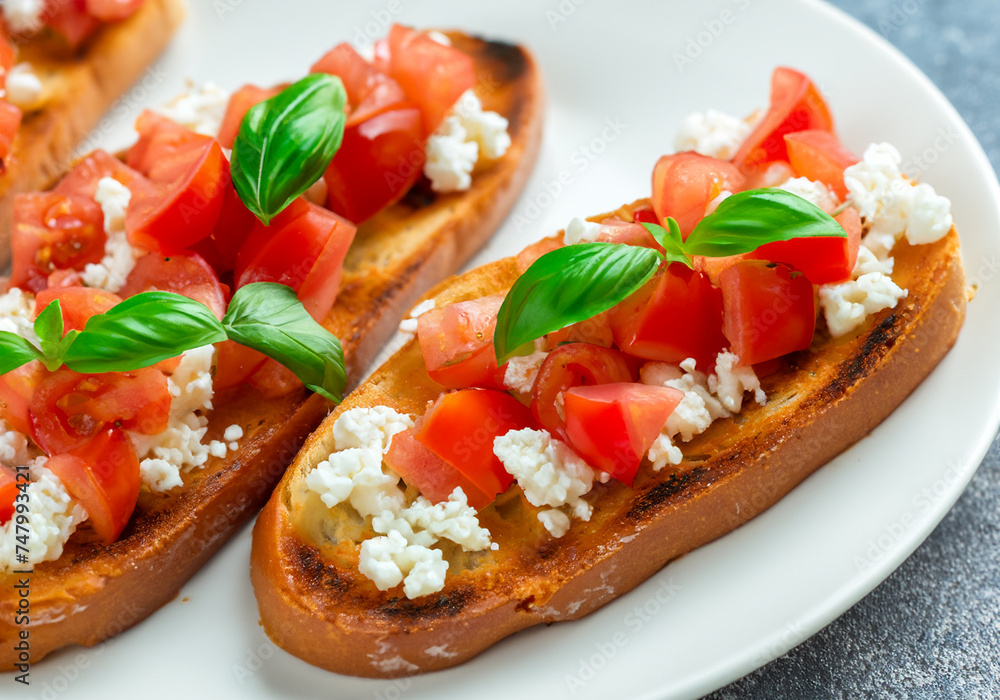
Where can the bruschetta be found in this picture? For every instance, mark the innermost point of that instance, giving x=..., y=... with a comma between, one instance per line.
x=567, y=421
x=62, y=66
x=206, y=434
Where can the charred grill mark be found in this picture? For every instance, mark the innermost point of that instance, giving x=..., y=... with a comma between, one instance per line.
x=420, y=195
x=878, y=343
x=449, y=604
x=662, y=492
x=507, y=61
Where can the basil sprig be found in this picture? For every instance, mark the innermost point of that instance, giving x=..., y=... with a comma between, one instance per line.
x=154, y=326
x=285, y=143
x=574, y=283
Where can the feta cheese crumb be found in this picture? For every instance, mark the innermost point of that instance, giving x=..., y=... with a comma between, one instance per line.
x=846, y=305
x=24, y=89
x=439, y=37
x=201, y=108
x=464, y=136
x=811, y=191
x=555, y=521
x=369, y=427
x=233, y=433
x=119, y=256
x=425, y=523
x=409, y=325
x=730, y=382
x=549, y=472
x=893, y=205
x=53, y=517
x=23, y=16
x=712, y=133
x=581, y=231
x=389, y=561
x=14, y=450
x=523, y=370
x=17, y=314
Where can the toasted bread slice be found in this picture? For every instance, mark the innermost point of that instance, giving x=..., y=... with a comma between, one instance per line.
x=95, y=590
x=315, y=603
x=79, y=88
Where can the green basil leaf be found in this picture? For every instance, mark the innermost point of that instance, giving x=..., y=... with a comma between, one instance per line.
x=568, y=285
x=15, y=351
x=671, y=240
x=141, y=331
x=285, y=143
x=49, y=329
x=747, y=220
x=269, y=318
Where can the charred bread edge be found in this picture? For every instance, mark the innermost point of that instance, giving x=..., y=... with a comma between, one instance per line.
x=87, y=87
x=96, y=591
x=317, y=612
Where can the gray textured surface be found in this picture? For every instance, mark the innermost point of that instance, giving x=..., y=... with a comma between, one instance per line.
x=932, y=629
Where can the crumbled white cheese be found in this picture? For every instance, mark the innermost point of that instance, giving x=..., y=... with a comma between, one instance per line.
x=555, y=521
x=409, y=325
x=893, y=205
x=369, y=427
x=811, y=191
x=179, y=448
x=712, y=133
x=201, y=108
x=233, y=433
x=13, y=446
x=730, y=382
x=439, y=37
x=549, y=472
x=868, y=262
x=464, y=136
x=17, y=314
x=119, y=256
x=425, y=523
x=389, y=560
x=24, y=89
x=53, y=517
x=581, y=231
x=23, y=16
x=114, y=198
x=522, y=371
x=846, y=305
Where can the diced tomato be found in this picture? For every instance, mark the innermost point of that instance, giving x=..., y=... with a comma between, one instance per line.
x=8, y=56
x=452, y=333
x=16, y=389
x=477, y=370
x=10, y=122
x=112, y=10
x=685, y=183
x=240, y=103
x=103, y=475
x=769, y=175
x=615, y=230
x=304, y=248
x=234, y=364
x=573, y=365
x=595, y=330
x=182, y=273
x=769, y=310
x=273, y=380
x=369, y=90
x=8, y=493
x=64, y=278
x=190, y=175
x=645, y=215
x=822, y=259
x=232, y=230
x=432, y=75
x=68, y=409
x=713, y=267
x=819, y=155
x=78, y=304
x=674, y=316
x=83, y=178
x=378, y=162
x=796, y=105
x=433, y=477
x=613, y=425
x=70, y=19
x=53, y=231
x=460, y=428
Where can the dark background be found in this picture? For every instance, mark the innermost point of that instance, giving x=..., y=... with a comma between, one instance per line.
x=932, y=629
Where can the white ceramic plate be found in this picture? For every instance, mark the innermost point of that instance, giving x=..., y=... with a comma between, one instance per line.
x=615, y=100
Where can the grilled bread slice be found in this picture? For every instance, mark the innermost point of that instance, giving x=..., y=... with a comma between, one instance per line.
x=315, y=603
x=94, y=590
x=78, y=89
